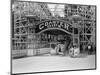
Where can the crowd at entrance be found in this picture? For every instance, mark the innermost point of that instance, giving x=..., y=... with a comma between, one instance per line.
x=62, y=49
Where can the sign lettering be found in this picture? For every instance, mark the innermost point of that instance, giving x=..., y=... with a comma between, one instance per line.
x=53, y=24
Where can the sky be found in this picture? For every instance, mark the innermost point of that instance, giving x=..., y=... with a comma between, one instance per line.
x=56, y=9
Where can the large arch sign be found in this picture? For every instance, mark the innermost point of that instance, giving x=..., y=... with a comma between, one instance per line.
x=54, y=24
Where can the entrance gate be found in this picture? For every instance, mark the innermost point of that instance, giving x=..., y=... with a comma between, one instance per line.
x=59, y=25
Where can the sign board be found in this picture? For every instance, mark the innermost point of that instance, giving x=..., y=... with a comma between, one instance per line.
x=54, y=24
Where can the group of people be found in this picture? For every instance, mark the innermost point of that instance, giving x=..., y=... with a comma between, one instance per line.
x=66, y=49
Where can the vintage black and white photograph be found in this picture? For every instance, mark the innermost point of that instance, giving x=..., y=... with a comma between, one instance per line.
x=51, y=37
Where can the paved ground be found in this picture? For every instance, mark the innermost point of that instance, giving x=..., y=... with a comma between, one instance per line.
x=51, y=63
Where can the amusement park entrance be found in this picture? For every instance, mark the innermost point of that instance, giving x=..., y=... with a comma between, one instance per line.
x=57, y=36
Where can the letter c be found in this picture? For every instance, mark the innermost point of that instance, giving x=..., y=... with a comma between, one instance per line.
x=41, y=26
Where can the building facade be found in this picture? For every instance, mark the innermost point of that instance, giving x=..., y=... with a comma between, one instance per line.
x=34, y=26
